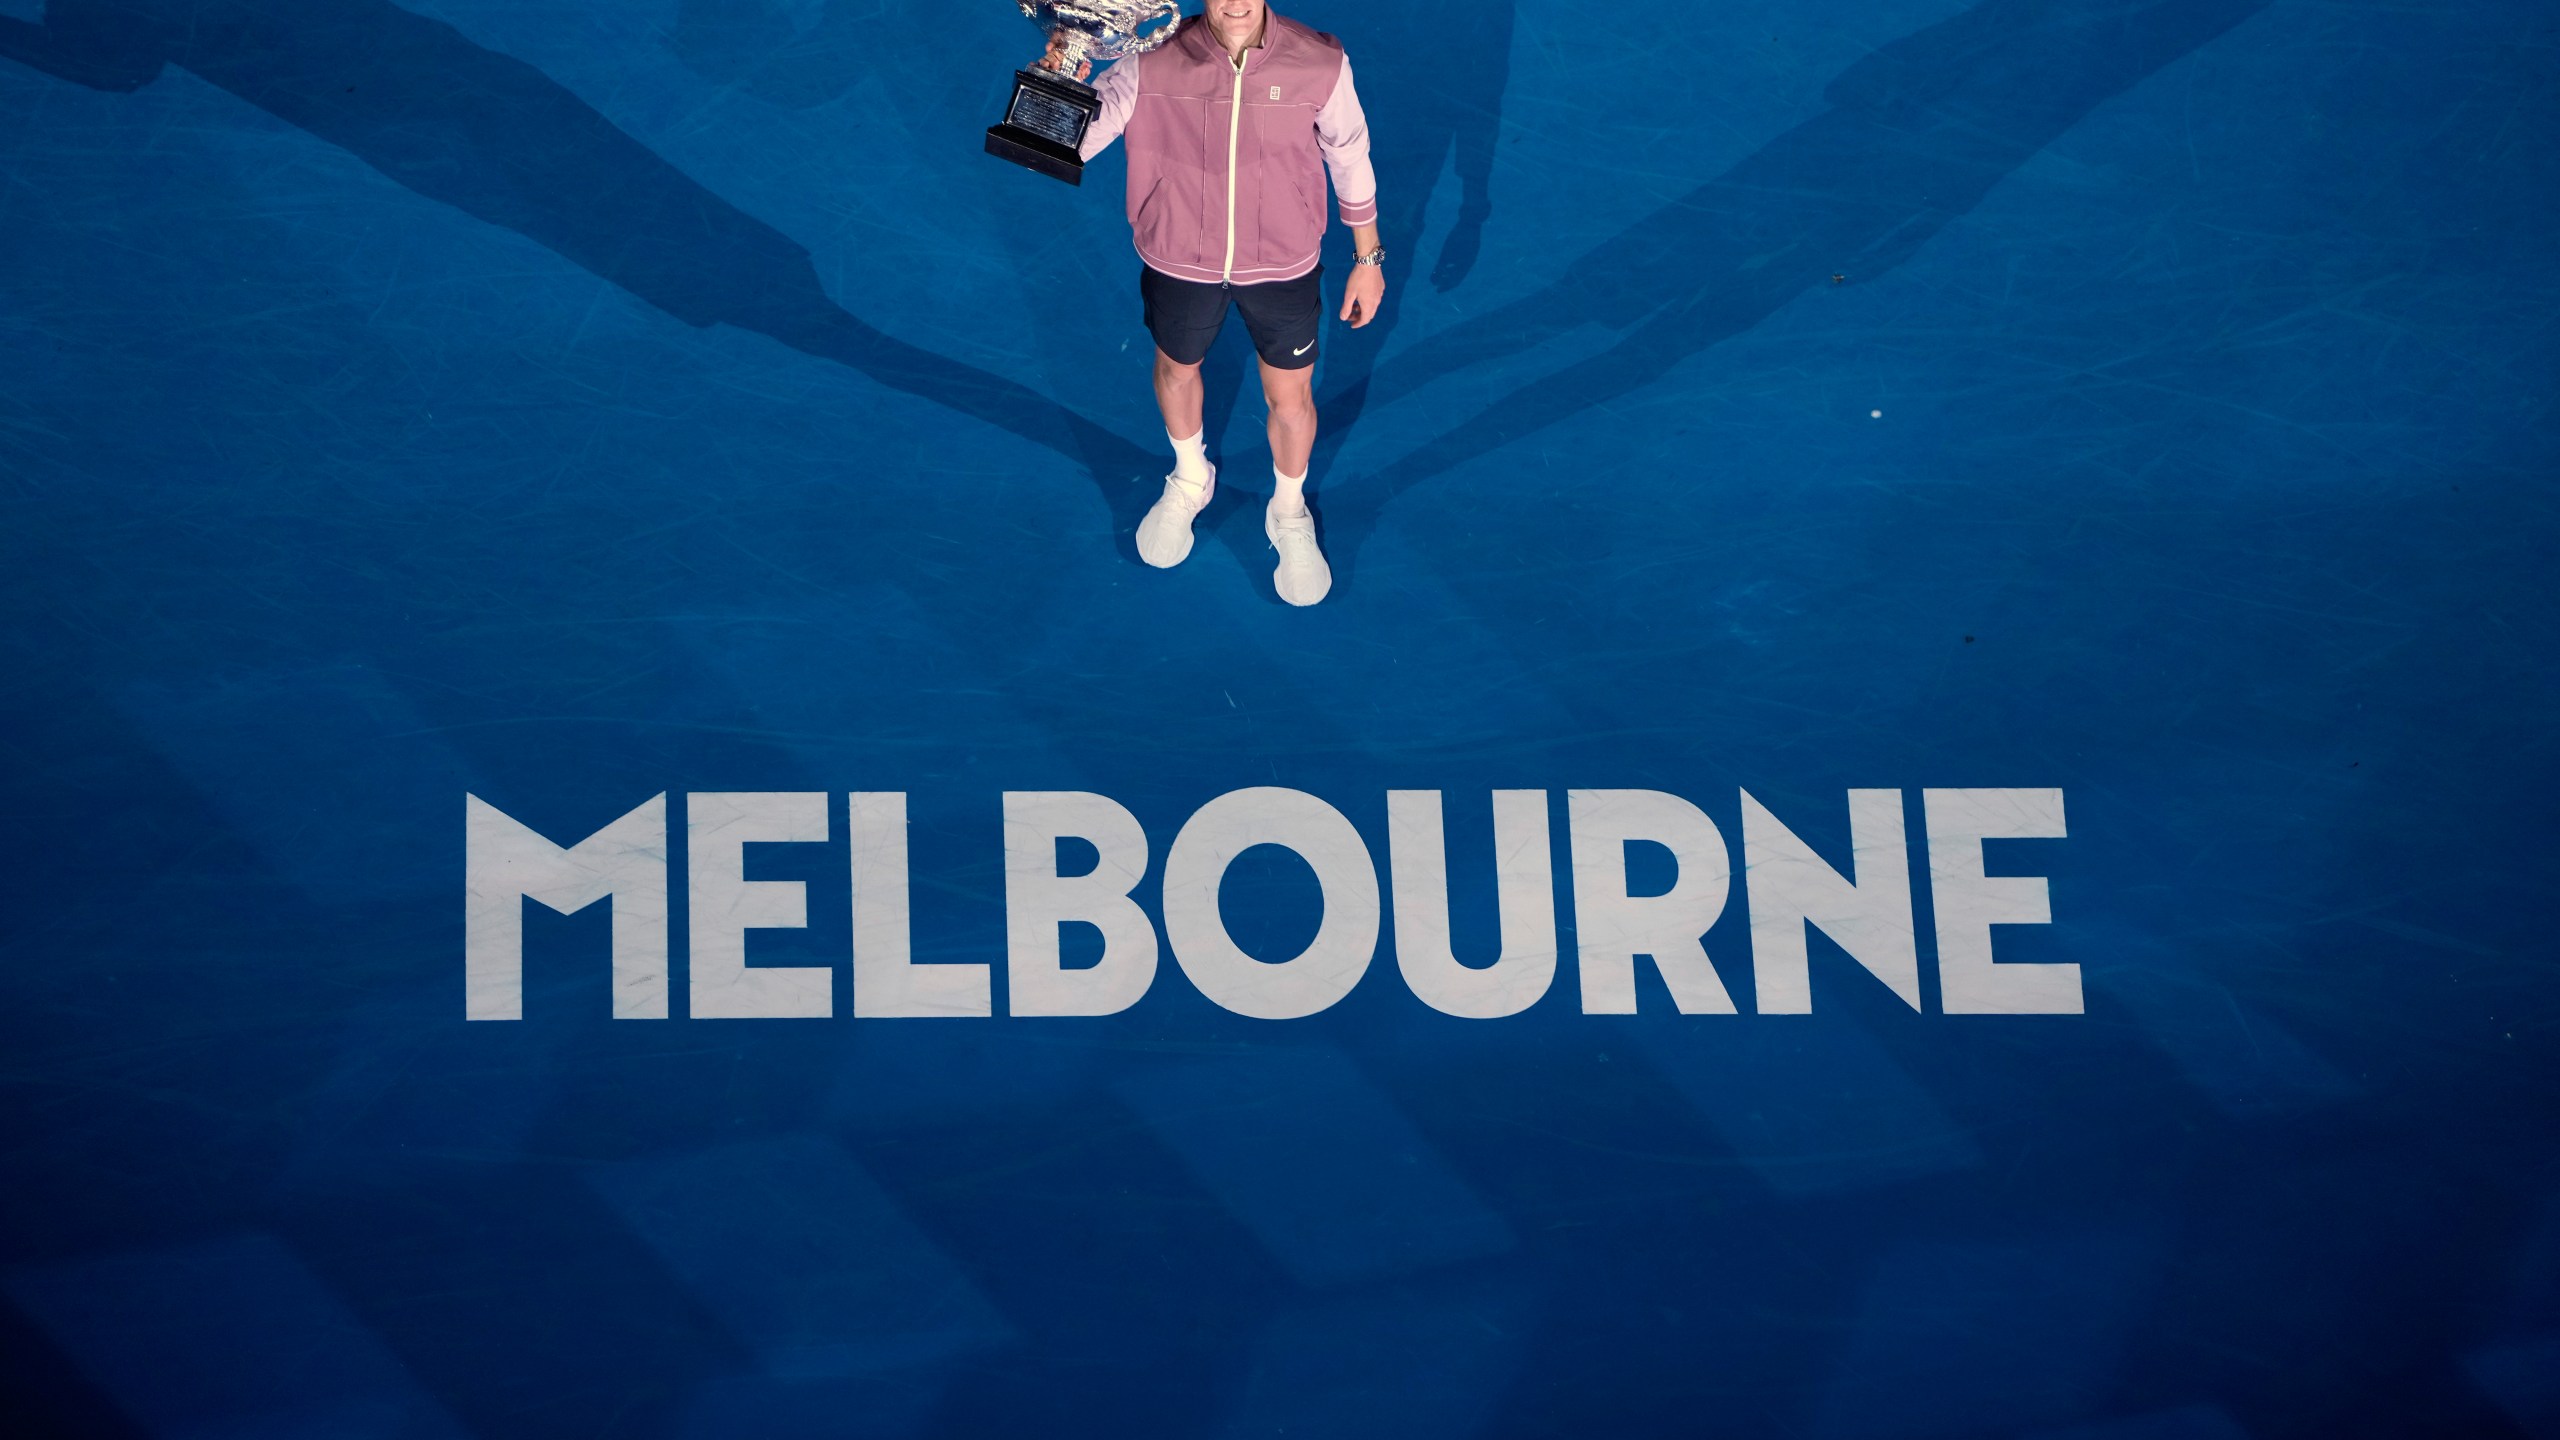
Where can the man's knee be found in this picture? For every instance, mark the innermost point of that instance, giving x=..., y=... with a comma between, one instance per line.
x=1289, y=392
x=1168, y=368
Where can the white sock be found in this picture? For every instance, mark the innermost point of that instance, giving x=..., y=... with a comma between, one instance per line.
x=1288, y=493
x=1191, y=459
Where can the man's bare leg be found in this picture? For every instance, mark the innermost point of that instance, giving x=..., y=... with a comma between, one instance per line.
x=1302, y=577
x=1178, y=395
x=1164, y=536
x=1292, y=398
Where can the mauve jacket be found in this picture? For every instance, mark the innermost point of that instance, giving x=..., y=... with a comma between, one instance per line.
x=1226, y=163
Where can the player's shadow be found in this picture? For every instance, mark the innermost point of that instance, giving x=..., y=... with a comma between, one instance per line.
x=1917, y=133
x=499, y=140
x=1431, y=75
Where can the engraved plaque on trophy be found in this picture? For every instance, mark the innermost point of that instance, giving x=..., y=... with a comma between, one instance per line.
x=1045, y=122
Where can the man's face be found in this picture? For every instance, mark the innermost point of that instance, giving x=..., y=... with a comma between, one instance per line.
x=1238, y=23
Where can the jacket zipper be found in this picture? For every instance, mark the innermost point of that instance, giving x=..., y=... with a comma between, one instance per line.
x=1235, y=130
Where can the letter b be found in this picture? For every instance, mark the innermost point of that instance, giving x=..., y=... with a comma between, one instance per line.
x=1037, y=900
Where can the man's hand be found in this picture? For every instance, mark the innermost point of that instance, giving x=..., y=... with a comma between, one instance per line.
x=1366, y=290
x=1049, y=61
x=1363, y=293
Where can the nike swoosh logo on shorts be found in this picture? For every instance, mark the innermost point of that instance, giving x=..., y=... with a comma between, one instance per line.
x=1303, y=349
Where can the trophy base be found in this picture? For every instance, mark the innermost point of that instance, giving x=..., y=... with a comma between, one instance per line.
x=1044, y=124
x=1035, y=152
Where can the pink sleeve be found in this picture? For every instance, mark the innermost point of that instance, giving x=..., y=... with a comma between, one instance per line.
x=1342, y=128
x=1118, y=88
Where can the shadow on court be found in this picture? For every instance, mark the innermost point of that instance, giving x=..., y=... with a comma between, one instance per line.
x=1918, y=133
x=499, y=140
x=1431, y=75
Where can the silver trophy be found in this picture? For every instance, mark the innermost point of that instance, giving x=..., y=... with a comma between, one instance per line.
x=1044, y=125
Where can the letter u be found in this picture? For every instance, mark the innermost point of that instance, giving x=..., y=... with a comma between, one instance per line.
x=1524, y=878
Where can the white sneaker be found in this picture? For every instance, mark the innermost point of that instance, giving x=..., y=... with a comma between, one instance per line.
x=1164, y=537
x=1302, y=577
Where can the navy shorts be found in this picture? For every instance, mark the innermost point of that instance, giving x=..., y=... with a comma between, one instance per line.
x=1283, y=316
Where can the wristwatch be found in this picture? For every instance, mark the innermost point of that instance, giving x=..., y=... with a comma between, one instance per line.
x=1377, y=257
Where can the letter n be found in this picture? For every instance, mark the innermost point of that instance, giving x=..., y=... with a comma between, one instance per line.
x=506, y=864
x=1792, y=887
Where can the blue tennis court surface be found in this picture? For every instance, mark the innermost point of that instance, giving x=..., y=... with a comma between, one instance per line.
x=2028, y=525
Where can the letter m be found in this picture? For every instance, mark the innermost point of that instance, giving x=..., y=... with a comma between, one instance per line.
x=506, y=864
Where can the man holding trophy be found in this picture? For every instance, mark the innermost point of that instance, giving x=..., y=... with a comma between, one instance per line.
x=1233, y=119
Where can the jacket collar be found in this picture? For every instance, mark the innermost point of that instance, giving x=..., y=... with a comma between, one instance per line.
x=1203, y=40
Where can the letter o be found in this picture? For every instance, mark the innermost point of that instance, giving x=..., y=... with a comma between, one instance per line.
x=1345, y=942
